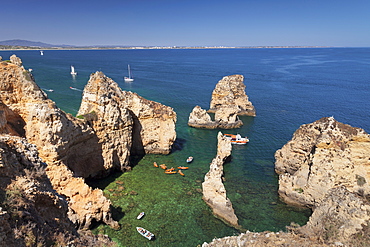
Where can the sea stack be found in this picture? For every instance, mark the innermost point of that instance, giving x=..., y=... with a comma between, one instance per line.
x=228, y=101
x=230, y=91
x=152, y=123
x=214, y=192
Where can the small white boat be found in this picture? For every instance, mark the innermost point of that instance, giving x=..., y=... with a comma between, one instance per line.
x=129, y=78
x=237, y=139
x=73, y=72
x=141, y=215
x=41, y=53
x=189, y=159
x=145, y=233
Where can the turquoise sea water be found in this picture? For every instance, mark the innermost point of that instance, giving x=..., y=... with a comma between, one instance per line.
x=288, y=87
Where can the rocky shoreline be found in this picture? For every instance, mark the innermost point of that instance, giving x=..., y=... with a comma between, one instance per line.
x=46, y=155
x=324, y=167
x=111, y=125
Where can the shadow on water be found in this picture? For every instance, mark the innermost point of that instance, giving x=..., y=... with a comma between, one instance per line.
x=178, y=145
x=102, y=183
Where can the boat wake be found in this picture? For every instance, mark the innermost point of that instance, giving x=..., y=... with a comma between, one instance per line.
x=76, y=89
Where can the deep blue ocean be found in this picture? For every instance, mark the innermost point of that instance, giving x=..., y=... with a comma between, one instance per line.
x=288, y=87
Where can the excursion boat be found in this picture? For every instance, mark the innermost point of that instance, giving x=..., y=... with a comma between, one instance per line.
x=145, y=233
x=141, y=215
x=237, y=139
x=189, y=159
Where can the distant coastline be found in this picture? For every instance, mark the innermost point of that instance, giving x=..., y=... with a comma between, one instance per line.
x=10, y=48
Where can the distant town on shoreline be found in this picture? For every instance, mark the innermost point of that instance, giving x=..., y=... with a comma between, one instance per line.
x=31, y=45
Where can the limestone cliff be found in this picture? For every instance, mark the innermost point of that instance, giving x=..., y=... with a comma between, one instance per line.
x=323, y=155
x=153, y=123
x=214, y=192
x=32, y=213
x=230, y=90
x=69, y=146
x=113, y=124
x=326, y=167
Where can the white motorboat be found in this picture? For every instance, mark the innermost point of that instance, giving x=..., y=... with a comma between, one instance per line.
x=145, y=233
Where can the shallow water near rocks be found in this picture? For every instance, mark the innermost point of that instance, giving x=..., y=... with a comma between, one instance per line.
x=288, y=87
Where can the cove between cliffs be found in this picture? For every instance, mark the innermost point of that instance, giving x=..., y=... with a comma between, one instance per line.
x=173, y=204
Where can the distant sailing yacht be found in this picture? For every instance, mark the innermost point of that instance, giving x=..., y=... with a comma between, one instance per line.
x=73, y=72
x=128, y=79
x=41, y=53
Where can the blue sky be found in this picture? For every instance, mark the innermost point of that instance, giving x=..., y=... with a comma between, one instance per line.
x=188, y=23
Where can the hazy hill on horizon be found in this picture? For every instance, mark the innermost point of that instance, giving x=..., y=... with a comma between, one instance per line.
x=21, y=42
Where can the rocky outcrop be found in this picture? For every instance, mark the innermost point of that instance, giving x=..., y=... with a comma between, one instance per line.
x=323, y=155
x=342, y=216
x=69, y=146
x=113, y=124
x=230, y=91
x=228, y=101
x=153, y=123
x=214, y=192
x=199, y=118
x=31, y=212
x=225, y=118
x=326, y=167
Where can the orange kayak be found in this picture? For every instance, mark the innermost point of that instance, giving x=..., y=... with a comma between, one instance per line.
x=183, y=167
x=155, y=164
x=163, y=166
x=182, y=174
x=170, y=172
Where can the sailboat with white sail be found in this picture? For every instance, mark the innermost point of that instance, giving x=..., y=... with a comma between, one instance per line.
x=73, y=72
x=129, y=78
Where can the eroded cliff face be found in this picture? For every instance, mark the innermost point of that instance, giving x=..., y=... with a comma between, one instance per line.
x=230, y=90
x=153, y=123
x=68, y=145
x=326, y=166
x=101, y=109
x=214, y=192
x=323, y=155
x=32, y=213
